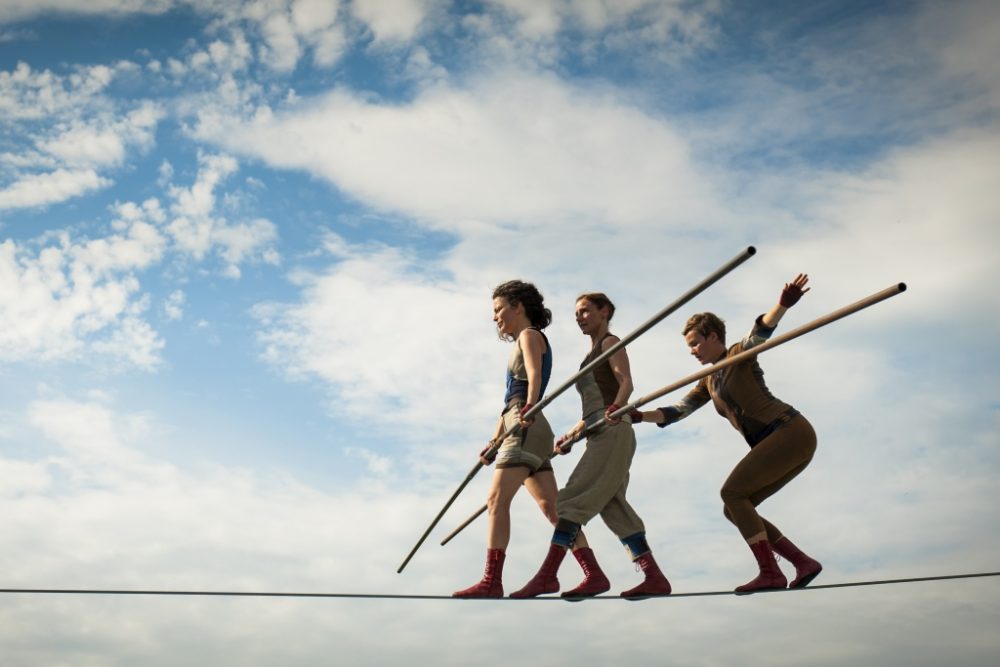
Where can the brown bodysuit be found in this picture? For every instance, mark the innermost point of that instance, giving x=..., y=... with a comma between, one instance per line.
x=782, y=442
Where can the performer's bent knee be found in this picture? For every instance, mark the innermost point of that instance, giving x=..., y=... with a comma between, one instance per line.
x=729, y=515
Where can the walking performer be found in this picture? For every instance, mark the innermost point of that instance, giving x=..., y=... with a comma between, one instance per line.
x=522, y=458
x=782, y=441
x=600, y=479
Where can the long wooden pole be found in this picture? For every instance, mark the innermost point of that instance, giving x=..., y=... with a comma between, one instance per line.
x=746, y=354
x=643, y=328
x=735, y=359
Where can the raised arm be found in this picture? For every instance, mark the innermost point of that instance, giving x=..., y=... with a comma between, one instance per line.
x=790, y=296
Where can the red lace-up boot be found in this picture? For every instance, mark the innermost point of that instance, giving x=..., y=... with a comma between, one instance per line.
x=491, y=585
x=545, y=580
x=594, y=582
x=770, y=577
x=654, y=585
x=806, y=568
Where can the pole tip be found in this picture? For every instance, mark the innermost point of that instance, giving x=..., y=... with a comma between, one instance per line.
x=751, y=250
x=902, y=287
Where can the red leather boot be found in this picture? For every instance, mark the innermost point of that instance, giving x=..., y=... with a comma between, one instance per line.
x=491, y=585
x=806, y=568
x=770, y=577
x=594, y=582
x=545, y=580
x=654, y=585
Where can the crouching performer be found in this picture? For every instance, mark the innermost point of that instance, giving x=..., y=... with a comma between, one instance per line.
x=782, y=442
x=600, y=479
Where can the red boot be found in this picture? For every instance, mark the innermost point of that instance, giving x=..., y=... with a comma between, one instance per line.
x=654, y=585
x=806, y=568
x=545, y=580
x=492, y=585
x=770, y=577
x=594, y=582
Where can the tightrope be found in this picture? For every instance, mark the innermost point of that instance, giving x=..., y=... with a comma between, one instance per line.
x=390, y=596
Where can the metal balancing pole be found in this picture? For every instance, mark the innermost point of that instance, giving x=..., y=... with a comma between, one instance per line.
x=643, y=328
x=735, y=359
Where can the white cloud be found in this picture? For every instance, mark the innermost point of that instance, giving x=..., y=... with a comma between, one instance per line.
x=515, y=149
x=50, y=188
x=926, y=216
x=393, y=20
x=374, y=325
x=173, y=307
x=75, y=134
x=27, y=94
x=620, y=24
x=198, y=229
x=70, y=297
x=20, y=10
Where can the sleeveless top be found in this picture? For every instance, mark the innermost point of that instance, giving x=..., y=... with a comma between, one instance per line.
x=517, y=373
x=599, y=387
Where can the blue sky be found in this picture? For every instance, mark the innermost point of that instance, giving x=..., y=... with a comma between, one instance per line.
x=246, y=253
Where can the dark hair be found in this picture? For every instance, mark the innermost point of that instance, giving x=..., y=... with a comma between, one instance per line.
x=526, y=294
x=599, y=299
x=705, y=324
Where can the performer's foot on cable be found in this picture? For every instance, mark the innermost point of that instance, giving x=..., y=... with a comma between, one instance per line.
x=770, y=577
x=594, y=582
x=654, y=585
x=806, y=568
x=491, y=585
x=545, y=580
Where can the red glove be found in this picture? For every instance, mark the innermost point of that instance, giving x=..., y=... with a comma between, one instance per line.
x=791, y=295
x=524, y=410
x=486, y=456
x=614, y=407
x=635, y=416
x=561, y=445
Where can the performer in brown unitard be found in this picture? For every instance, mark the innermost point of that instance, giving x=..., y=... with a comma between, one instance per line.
x=782, y=441
x=600, y=479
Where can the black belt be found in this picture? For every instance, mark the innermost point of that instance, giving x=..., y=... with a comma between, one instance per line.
x=755, y=439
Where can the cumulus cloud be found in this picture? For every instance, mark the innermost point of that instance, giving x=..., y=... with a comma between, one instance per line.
x=49, y=188
x=63, y=298
x=423, y=322
x=197, y=228
x=73, y=132
x=28, y=94
x=394, y=20
x=516, y=149
x=173, y=307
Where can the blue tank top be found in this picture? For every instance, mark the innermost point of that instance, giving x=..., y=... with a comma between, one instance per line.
x=517, y=376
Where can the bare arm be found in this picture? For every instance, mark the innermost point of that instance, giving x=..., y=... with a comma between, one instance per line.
x=623, y=373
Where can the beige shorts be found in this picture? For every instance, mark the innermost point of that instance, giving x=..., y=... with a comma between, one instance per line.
x=530, y=448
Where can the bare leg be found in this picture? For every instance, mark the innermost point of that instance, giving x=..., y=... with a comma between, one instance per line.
x=542, y=487
x=506, y=482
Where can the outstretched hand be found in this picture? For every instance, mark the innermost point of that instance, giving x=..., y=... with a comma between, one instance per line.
x=793, y=291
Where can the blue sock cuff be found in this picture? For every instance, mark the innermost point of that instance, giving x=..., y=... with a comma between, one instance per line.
x=565, y=533
x=636, y=544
